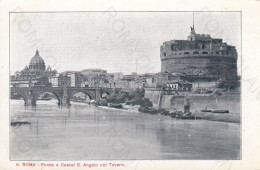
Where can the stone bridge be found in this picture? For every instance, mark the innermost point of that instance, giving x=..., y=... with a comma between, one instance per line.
x=63, y=94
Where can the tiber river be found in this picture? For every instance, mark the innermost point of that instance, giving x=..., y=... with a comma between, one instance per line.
x=84, y=132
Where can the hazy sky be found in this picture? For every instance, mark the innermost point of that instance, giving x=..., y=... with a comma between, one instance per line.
x=116, y=41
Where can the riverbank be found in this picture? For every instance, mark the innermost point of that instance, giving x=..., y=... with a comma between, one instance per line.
x=229, y=117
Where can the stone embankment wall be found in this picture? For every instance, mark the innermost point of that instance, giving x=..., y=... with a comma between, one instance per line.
x=229, y=101
x=153, y=96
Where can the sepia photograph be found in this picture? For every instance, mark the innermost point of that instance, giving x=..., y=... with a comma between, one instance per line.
x=125, y=85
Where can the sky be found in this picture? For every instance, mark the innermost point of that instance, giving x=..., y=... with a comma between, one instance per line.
x=115, y=41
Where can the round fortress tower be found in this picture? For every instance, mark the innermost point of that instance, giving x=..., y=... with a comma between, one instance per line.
x=199, y=55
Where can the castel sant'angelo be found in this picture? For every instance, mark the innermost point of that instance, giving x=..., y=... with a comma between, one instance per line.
x=200, y=56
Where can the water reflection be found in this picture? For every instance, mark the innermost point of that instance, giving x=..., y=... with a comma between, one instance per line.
x=84, y=132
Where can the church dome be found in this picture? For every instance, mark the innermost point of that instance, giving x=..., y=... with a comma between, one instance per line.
x=26, y=68
x=37, y=63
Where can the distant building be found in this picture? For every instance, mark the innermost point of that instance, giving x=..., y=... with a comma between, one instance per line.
x=178, y=85
x=132, y=81
x=96, y=81
x=93, y=72
x=76, y=78
x=158, y=80
x=116, y=76
x=23, y=83
x=126, y=84
x=60, y=81
x=36, y=74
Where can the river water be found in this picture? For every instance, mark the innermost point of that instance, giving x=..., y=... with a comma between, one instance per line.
x=84, y=132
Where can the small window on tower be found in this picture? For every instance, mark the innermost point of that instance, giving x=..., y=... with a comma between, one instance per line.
x=164, y=53
x=173, y=47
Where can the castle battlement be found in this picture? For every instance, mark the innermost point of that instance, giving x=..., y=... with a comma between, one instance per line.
x=199, y=51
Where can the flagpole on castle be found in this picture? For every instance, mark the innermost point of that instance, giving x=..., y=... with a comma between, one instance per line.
x=193, y=20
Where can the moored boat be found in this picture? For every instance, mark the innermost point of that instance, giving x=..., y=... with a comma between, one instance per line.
x=220, y=111
x=19, y=122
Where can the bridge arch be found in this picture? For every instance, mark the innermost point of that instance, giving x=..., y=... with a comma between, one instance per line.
x=47, y=91
x=25, y=98
x=91, y=96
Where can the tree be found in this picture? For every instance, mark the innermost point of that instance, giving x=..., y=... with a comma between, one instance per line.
x=228, y=83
